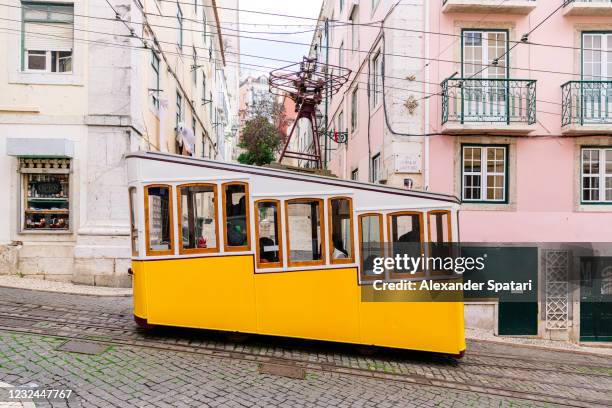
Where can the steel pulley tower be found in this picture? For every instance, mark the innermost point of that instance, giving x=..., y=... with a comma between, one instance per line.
x=304, y=83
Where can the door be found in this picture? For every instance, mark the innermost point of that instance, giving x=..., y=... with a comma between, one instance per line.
x=596, y=299
x=484, y=91
x=596, y=70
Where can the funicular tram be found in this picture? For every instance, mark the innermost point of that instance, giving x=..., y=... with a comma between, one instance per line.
x=248, y=249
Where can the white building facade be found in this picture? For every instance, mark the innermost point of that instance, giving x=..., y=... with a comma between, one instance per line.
x=83, y=84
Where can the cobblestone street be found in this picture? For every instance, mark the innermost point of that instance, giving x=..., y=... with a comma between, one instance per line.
x=199, y=368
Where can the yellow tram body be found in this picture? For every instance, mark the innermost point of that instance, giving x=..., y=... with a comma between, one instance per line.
x=238, y=291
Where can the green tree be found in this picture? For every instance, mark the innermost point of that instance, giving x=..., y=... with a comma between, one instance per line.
x=260, y=140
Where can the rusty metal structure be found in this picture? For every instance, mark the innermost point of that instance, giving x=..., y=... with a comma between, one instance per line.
x=305, y=83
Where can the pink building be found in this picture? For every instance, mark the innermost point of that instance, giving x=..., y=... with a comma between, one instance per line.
x=506, y=104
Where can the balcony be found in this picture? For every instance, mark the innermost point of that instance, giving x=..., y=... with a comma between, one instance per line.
x=499, y=106
x=488, y=6
x=586, y=107
x=587, y=8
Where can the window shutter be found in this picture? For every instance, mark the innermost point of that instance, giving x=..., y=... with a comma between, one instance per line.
x=48, y=37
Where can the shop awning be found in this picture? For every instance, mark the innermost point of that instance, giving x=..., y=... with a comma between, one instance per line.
x=38, y=147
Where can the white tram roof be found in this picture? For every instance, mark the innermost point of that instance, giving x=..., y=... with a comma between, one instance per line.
x=157, y=167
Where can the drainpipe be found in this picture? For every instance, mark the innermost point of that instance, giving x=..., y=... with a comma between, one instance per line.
x=427, y=104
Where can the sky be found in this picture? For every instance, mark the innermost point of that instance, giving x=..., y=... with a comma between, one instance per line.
x=269, y=24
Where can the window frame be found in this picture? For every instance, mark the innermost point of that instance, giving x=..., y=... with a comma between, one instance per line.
x=354, y=22
x=323, y=260
x=393, y=274
x=354, y=106
x=483, y=174
x=485, y=49
x=372, y=169
x=279, y=232
x=449, y=223
x=376, y=70
x=605, y=58
x=601, y=175
x=355, y=174
x=243, y=248
x=47, y=53
x=148, y=250
x=187, y=251
x=179, y=18
x=135, y=243
x=381, y=228
x=350, y=259
x=155, y=65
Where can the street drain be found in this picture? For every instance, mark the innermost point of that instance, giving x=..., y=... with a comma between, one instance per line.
x=82, y=347
x=282, y=370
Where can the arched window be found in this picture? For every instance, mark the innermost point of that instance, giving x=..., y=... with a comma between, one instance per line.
x=198, y=224
x=159, y=230
x=236, y=217
x=341, y=248
x=268, y=234
x=305, y=232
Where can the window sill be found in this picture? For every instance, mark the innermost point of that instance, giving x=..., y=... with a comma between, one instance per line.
x=46, y=232
x=45, y=78
x=487, y=206
x=595, y=207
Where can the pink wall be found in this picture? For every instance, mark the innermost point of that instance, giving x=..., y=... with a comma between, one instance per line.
x=546, y=181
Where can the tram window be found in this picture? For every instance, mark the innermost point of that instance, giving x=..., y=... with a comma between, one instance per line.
x=406, y=233
x=198, y=218
x=267, y=225
x=341, y=230
x=133, y=221
x=371, y=242
x=235, y=210
x=439, y=233
x=158, y=220
x=304, y=231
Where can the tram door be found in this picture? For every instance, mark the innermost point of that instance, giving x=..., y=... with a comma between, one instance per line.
x=596, y=299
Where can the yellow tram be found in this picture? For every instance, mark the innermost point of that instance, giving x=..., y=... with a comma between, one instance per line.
x=238, y=248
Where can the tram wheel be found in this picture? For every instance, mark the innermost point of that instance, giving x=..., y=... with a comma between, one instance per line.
x=142, y=323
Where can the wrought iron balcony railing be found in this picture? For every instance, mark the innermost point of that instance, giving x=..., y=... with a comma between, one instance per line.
x=479, y=100
x=586, y=102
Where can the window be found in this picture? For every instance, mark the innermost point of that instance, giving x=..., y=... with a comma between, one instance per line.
x=439, y=233
x=597, y=175
x=158, y=220
x=484, y=173
x=235, y=210
x=354, y=20
x=268, y=234
x=195, y=7
x=596, y=97
x=133, y=220
x=340, y=126
x=204, y=143
x=376, y=169
x=195, y=66
x=341, y=5
x=204, y=25
x=179, y=19
x=376, y=79
x=341, y=230
x=305, y=240
x=46, y=198
x=406, y=234
x=197, y=209
x=210, y=106
x=203, y=88
x=375, y=4
x=155, y=80
x=193, y=123
x=341, y=55
x=480, y=49
x=354, y=110
x=48, y=37
x=355, y=175
x=179, y=109
x=371, y=243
